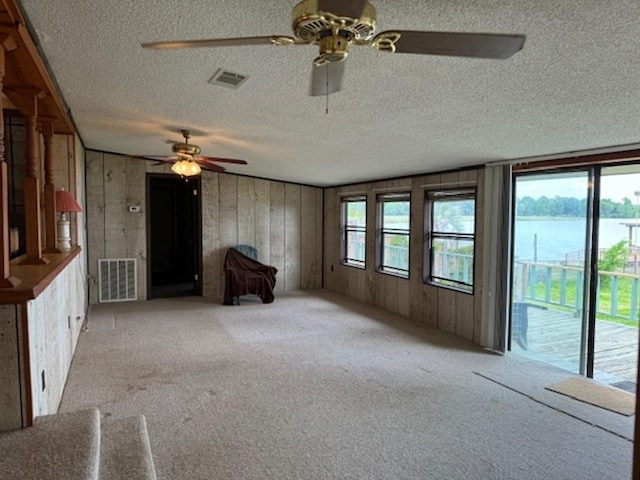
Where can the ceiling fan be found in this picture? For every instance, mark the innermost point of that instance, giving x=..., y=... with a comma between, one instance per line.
x=187, y=160
x=334, y=25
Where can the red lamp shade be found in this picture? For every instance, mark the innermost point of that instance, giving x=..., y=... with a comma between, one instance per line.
x=66, y=203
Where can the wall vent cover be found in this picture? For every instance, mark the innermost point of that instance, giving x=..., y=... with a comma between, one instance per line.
x=227, y=79
x=117, y=280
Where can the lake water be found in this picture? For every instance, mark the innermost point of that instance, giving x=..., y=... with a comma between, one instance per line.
x=555, y=238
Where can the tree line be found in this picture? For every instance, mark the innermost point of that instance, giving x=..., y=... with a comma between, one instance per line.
x=573, y=207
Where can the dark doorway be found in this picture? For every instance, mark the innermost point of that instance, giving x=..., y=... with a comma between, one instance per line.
x=173, y=236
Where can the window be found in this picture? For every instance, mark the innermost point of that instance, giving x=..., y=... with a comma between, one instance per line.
x=14, y=140
x=354, y=230
x=451, y=238
x=394, y=220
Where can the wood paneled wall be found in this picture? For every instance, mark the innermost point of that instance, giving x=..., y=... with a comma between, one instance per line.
x=282, y=220
x=10, y=381
x=81, y=221
x=64, y=155
x=113, y=183
x=449, y=310
x=54, y=320
x=69, y=174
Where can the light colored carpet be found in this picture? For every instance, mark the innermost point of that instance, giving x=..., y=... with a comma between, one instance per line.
x=125, y=453
x=317, y=386
x=57, y=447
x=602, y=396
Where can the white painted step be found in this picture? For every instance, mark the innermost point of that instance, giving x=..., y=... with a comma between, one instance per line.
x=125, y=450
x=63, y=446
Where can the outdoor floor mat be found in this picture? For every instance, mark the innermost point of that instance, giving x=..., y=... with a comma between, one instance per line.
x=593, y=393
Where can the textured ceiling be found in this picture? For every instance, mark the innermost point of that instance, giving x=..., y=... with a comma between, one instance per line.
x=574, y=86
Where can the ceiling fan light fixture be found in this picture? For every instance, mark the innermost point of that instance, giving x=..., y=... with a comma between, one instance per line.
x=187, y=161
x=185, y=150
x=186, y=168
x=333, y=48
x=308, y=20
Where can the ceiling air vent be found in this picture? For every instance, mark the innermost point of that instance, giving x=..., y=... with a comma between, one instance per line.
x=227, y=79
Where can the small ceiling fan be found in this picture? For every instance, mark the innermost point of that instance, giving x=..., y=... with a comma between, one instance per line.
x=187, y=160
x=334, y=25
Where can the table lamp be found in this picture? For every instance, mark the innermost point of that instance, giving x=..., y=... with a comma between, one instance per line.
x=65, y=203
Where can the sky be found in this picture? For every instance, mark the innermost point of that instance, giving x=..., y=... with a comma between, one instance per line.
x=614, y=187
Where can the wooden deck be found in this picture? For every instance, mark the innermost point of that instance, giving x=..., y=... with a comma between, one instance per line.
x=554, y=337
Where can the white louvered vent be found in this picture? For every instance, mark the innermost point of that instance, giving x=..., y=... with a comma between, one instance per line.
x=117, y=280
x=227, y=79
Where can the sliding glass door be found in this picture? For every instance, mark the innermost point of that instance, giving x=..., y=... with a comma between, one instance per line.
x=551, y=258
x=615, y=344
x=576, y=271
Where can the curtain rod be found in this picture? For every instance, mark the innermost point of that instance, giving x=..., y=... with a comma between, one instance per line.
x=461, y=184
x=572, y=154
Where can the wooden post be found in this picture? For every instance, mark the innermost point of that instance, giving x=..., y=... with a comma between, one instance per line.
x=6, y=280
x=32, y=181
x=51, y=237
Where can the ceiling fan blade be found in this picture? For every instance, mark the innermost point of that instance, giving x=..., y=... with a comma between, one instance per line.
x=481, y=45
x=225, y=160
x=342, y=8
x=326, y=78
x=156, y=158
x=212, y=167
x=221, y=42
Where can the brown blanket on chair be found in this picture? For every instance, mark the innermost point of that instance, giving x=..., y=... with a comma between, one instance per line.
x=243, y=276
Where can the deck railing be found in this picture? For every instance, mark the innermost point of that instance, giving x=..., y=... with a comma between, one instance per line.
x=563, y=286
x=456, y=266
x=577, y=256
x=395, y=256
x=546, y=284
x=553, y=285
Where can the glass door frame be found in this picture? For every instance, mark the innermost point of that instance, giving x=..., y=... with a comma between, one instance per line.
x=593, y=208
x=590, y=277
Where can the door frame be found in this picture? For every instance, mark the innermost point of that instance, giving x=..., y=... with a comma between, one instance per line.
x=596, y=170
x=196, y=184
x=590, y=281
x=593, y=210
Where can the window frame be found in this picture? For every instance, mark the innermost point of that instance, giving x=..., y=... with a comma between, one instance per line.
x=381, y=232
x=431, y=198
x=346, y=229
